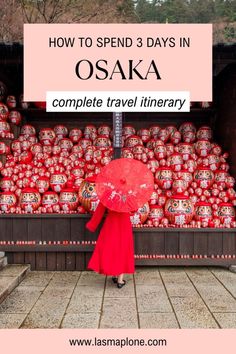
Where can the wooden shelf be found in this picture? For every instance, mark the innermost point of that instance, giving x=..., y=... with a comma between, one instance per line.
x=186, y=262
x=47, y=248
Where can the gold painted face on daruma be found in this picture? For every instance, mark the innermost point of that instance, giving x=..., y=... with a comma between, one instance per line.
x=156, y=212
x=77, y=149
x=75, y=134
x=175, y=161
x=84, y=143
x=144, y=135
x=189, y=137
x=58, y=178
x=152, y=165
x=66, y=144
x=88, y=195
x=141, y=215
x=160, y=152
x=175, y=138
x=204, y=133
x=28, y=129
x=15, y=117
x=169, y=149
x=11, y=101
x=187, y=127
x=138, y=149
x=133, y=140
x=102, y=142
x=104, y=130
x=171, y=129
x=29, y=197
x=179, y=210
x=90, y=130
x=214, y=161
x=226, y=213
x=42, y=184
x=179, y=185
x=47, y=136
x=2, y=147
x=179, y=206
x=203, y=147
x=186, y=176
x=216, y=149
x=204, y=177
x=58, y=181
x=77, y=172
x=154, y=130
x=164, y=178
x=7, y=200
x=4, y=127
x=203, y=211
x=3, y=111
x=68, y=199
x=163, y=135
x=30, y=200
x=16, y=145
x=128, y=131
x=185, y=148
x=60, y=130
x=50, y=199
x=221, y=176
x=6, y=183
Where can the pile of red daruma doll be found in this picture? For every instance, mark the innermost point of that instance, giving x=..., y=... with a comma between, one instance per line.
x=193, y=187
x=53, y=171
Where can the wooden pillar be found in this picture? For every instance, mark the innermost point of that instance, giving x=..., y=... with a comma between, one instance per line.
x=117, y=134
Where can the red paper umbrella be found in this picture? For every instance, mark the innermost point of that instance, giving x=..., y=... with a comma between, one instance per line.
x=124, y=185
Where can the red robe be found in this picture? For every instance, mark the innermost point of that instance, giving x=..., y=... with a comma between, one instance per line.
x=114, y=251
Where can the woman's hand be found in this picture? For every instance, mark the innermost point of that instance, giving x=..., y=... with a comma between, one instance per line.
x=89, y=227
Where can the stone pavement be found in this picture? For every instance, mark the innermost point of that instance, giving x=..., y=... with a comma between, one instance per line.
x=153, y=298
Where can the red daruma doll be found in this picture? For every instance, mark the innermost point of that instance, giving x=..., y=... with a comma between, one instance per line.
x=50, y=200
x=164, y=177
x=179, y=186
x=221, y=177
x=179, y=210
x=30, y=200
x=140, y=216
x=203, y=148
x=204, y=133
x=7, y=201
x=175, y=161
x=68, y=199
x=160, y=152
x=88, y=194
x=47, y=136
x=187, y=127
x=226, y=213
x=156, y=214
x=203, y=211
x=204, y=177
x=3, y=111
x=15, y=117
x=186, y=150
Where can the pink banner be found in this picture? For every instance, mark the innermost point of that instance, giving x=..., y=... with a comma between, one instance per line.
x=129, y=340
x=118, y=57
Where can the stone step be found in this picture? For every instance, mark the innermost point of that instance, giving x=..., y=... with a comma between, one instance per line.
x=3, y=260
x=10, y=277
x=1, y=263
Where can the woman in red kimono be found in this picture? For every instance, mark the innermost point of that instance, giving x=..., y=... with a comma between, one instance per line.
x=114, y=251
